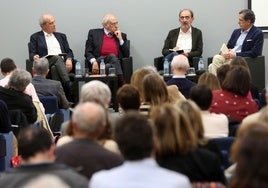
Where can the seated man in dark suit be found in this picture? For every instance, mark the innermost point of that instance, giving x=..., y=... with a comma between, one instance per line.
x=51, y=43
x=186, y=39
x=179, y=67
x=247, y=41
x=107, y=43
x=47, y=87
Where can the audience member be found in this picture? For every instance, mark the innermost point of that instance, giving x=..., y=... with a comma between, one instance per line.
x=186, y=40
x=221, y=72
x=215, y=125
x=107, y=43
x=250, y=152
x=15, y=98
x=176, y=147
x=134, y=135
x=36, y=149
x=179, y=67
x=210, y=80
x=47, y=87
x=247, y=41
x=49, y=43
x=174, y=94
x=83, y=152
x=232, y=99
x=154, y=92
x=5, y=124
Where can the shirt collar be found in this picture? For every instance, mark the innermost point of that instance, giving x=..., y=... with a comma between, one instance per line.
x=189, y=30
x=107, y=32
x=47, y=35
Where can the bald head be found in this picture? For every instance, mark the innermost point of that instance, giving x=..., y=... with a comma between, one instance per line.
x=180, y=62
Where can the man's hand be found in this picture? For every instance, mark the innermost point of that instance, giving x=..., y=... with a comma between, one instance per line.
x=69, y=64
x=230, y=55
x=118, y=34
x=35, y=57
x=95, y=67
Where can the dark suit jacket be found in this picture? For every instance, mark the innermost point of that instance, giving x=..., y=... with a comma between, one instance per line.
x=184, y=85
x=38, y=45
x=18, y=100
x=197, y=42
x=252, y=45
x=47, y=87
x=94, y=43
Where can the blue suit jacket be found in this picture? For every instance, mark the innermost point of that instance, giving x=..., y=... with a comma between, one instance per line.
x=38, y=45
x=252, y=45
x=94, y=43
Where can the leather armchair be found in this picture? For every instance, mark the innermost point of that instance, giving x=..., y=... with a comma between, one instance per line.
x=257, y=70
x=6, y=150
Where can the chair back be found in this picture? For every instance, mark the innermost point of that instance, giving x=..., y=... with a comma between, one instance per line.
x=50, y=104
x=6, y=150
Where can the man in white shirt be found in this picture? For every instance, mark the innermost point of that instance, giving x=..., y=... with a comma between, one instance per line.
x=134, y=136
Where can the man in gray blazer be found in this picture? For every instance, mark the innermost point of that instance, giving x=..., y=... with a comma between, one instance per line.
x=47, y=87
x=186, y=39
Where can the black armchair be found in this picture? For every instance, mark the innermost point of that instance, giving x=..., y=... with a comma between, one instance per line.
x=257, y=70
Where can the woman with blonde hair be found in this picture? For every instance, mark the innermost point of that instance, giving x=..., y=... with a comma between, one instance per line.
x=209, y=80
x=176, y=146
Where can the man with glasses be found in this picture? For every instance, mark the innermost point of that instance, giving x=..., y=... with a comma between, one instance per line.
x=246, y=41
x=107, y=43
x=186, y=40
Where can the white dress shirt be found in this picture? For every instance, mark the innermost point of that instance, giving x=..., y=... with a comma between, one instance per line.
x=139, y=174
x=184, y=41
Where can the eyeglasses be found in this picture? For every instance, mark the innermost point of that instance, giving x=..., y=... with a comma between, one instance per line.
x=113, y=23
x=185, y=17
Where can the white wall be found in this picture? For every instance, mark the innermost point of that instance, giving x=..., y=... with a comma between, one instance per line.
x=146, y=22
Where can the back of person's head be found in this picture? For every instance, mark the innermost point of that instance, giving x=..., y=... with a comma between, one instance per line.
x=209, y=80
x=89, y=119
x=174, y=94
x=40, y=66
x=19, y=80
x=194, y=115
x=128, y=97
x=240, y=61
x=222, y=71
x=154, y=89
x=96, y=91
x=248, y=15
x=237, y=81
x=202, y=96
x=180, y=62
x=134, y=136
x=250, y=147
x=173, y=130
x=33, y=140
x=7, y=65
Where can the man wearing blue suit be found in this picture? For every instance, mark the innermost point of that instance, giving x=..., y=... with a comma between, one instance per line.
x=107, y=43
x=50, y=43
x=247, y=41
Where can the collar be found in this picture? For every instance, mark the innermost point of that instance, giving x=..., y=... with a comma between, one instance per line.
x=246, y=31
x=189, y=30
x=47, y=35
x=107, y=32
x=178, y=76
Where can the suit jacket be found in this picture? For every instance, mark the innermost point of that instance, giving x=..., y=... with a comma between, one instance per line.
x=184, y=85
x=94, y=43
x=38, y=45
x=87, y=156
x=18, y=100
x=47, y=87
x=197, y=42
x=252, y=45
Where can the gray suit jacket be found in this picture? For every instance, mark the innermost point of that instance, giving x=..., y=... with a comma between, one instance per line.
x=197, y=42
x=47, y=87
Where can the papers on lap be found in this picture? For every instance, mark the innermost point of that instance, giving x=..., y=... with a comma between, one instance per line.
x=224, y=49
x=50, y=55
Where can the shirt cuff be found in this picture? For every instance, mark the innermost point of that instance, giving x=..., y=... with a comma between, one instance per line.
x=121, y=42
x=92, y=60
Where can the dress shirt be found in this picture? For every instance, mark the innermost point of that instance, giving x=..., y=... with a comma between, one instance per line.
x=141, y=173
x=53, y=46
x=240, y=40
x=184, y=41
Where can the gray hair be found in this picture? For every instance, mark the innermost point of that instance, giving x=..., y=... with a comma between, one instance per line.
x=180, y=62
x=19, y=79
x=96, y=91
x=107, y=18
x=40, y=66
x=43, y=18
x=89, y=117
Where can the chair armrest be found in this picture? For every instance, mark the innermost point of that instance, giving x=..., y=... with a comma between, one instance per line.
x=158, y=63
x=29, y=65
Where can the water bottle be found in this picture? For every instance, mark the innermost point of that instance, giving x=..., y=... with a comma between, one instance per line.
x=166, y=67
x=102, y=67
x=201, y=63
x=78, y=69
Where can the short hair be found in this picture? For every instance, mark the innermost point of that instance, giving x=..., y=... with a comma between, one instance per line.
x=43, y=18
x=107, y=18
x=128, y=97
x=41, y=66
x=237, y=81
x=32, y=140
x=7, y=65
x=240, y=61
x=191, y=12
x=180, y=62
x=134, y=136
x=89, y=117
x=248, y=15
x=202, y=96
x=96, y=91
x=19, y=80
x=209, y=80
